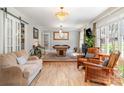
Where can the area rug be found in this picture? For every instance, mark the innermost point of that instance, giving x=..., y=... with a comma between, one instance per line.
x=52, y=56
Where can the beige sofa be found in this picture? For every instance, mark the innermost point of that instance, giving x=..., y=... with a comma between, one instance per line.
x=11, y=73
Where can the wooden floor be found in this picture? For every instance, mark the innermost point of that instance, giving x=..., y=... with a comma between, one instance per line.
x=64, y=74
x=60, y=74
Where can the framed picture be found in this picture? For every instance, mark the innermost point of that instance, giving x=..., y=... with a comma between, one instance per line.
x=61, y=36
x=35, y=33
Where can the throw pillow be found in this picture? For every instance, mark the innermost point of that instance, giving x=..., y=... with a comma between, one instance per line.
x=90, y=55
x=21, y=60
x=105, y=62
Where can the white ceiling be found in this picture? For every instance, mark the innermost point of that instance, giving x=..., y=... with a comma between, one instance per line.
x=45, y=16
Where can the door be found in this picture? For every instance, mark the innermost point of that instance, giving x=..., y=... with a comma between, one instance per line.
x=12, y=34
x=47, y=41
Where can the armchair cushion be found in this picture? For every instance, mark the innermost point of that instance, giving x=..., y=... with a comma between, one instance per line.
x=105, y=62
x=90, y=55
x=87, y=64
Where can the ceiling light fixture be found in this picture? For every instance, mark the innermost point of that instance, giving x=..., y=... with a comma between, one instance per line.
x=62, y=14
x=61, y=32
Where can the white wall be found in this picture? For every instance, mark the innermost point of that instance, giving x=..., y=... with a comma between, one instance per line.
x=29, y=33
x=72, y=42
x=110, y=15
x=1, y=32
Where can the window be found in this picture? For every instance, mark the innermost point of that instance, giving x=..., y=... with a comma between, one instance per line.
x=114, y=37
x=81, y=39
x=111, y=37
x=103, y=39
x=97, y=43
x=123, y=45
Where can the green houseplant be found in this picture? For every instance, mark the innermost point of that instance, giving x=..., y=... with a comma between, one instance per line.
x=89, y=40
x=121, y=73
x=121, y=70
x=37, y=51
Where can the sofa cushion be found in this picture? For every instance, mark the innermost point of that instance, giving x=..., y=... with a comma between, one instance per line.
x=21, y=60
x=33, y=58
x=30, y=68
x=22, y=53
x=38, y=61
x=8, y=60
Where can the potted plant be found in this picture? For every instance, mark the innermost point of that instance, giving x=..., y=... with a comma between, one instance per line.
x=89, y=40
x=121, y=73
x=36, y=51
x=121, y=70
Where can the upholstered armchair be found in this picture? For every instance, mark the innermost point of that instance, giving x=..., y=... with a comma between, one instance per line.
x=101, y=73
x=91, y=51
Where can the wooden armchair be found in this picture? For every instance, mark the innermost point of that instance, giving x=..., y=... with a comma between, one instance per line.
x=98, y=72
x=81, y=59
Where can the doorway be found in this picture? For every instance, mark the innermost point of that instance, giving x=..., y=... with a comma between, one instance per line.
x=47, y=41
